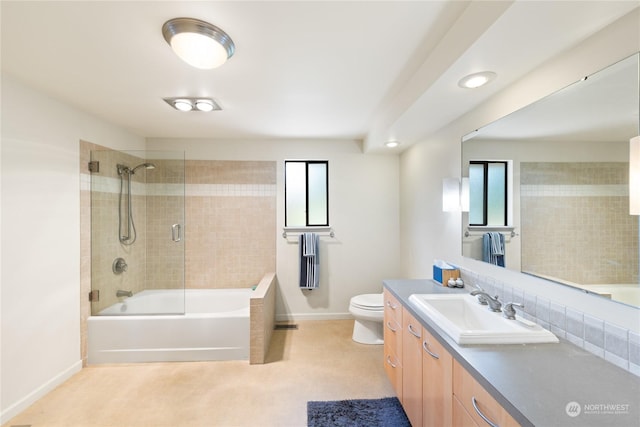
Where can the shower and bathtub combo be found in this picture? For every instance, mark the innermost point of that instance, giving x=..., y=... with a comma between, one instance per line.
x=214, y=325
x=140, y=308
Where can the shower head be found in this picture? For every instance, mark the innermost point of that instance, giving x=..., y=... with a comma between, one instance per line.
x=143, y=165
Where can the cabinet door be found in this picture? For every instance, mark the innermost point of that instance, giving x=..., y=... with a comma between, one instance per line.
x=412, y=368
x=483, y=408
x=393, y=342
x=393, y=324
x=437, y=388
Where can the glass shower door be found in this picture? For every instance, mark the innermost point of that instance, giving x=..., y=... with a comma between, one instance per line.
x=137, y=232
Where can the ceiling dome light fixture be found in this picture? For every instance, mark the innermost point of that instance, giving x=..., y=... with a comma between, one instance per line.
x=198, y=43
x=476, y=80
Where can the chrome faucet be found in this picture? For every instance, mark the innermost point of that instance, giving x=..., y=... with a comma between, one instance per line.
x=494, y=303
x=509, y=312
x=121, y=293
x=482, y=299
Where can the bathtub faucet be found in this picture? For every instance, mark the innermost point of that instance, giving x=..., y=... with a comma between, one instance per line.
x=121, y=293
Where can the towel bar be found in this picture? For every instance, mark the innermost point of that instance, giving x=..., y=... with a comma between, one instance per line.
x=318, y=230
x=508, y=230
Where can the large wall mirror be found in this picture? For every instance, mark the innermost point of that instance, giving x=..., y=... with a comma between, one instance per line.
x=566, y=194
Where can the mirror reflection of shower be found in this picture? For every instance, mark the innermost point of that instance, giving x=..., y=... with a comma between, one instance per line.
x=129, y=235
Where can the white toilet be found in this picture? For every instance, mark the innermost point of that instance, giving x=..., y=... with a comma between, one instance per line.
x=368, y=310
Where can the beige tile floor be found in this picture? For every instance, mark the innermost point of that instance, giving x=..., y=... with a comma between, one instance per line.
x=319, y=361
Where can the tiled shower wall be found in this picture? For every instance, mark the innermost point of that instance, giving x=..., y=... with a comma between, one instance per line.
x=229, y=232
x=231, y=223
x=575, y=220
x=165, y=187
x=105, y=245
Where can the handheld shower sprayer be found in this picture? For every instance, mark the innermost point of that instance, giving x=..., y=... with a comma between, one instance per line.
x=130, y=237
x=143, y=165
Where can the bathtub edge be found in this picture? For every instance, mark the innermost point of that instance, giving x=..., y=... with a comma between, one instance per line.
x=262, y=314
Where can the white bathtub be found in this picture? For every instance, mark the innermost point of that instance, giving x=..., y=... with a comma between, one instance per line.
x=626, y=293
x=215, y=326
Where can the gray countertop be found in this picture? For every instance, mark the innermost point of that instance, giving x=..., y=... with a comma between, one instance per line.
x=536, y=382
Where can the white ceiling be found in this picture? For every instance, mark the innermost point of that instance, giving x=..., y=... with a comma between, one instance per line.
x=369, y=70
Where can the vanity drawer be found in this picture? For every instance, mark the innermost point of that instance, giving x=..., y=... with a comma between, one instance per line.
x=476, y=400
x=393, y=369
x=392, y=307
x=393, y=336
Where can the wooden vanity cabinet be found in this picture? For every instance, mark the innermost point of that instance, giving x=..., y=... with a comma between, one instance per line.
x=461, y=417
x=473, y=402
x=427, y=372
x=412, y=368
x=434, y=389
x=437, y=387
x=393, y=341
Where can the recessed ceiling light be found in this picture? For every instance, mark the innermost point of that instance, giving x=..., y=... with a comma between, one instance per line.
x=204, y=105
x=475, y=80
x=392, y=144
x=183, y=104
x=193, y=104
x=198, y=43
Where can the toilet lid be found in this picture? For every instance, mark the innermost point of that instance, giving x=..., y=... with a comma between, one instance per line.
x=368, y=301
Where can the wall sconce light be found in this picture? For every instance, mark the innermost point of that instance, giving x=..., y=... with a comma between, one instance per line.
x=634, y=176
x=193, y=104
x=464, y=194
x=450, y=195
x=198, y=43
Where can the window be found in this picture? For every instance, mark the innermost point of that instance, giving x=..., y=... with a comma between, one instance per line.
x=306, y=193
x=488, y=201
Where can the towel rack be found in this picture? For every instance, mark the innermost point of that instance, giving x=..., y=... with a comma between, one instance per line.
x=510, y=230
x=319, y=230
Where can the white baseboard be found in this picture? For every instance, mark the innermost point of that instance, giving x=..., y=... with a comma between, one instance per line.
x=22, y=404
x=293, y=317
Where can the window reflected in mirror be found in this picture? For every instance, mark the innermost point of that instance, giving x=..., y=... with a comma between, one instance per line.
x=488, y=193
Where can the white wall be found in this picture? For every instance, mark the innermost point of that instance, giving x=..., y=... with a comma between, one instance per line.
x=363, y=211
x=40, y=289
x=428, y=233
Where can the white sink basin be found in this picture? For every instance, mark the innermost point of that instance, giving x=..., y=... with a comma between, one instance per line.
x=468, y=322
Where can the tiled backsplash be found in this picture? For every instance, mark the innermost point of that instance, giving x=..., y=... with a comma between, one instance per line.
x=611, y=342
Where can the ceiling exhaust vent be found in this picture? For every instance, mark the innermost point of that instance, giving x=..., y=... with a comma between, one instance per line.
x=193, y=104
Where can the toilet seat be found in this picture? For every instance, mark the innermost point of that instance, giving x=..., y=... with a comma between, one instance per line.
x=369, y=302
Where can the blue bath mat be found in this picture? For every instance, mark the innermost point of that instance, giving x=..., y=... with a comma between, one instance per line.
x=385, y=412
